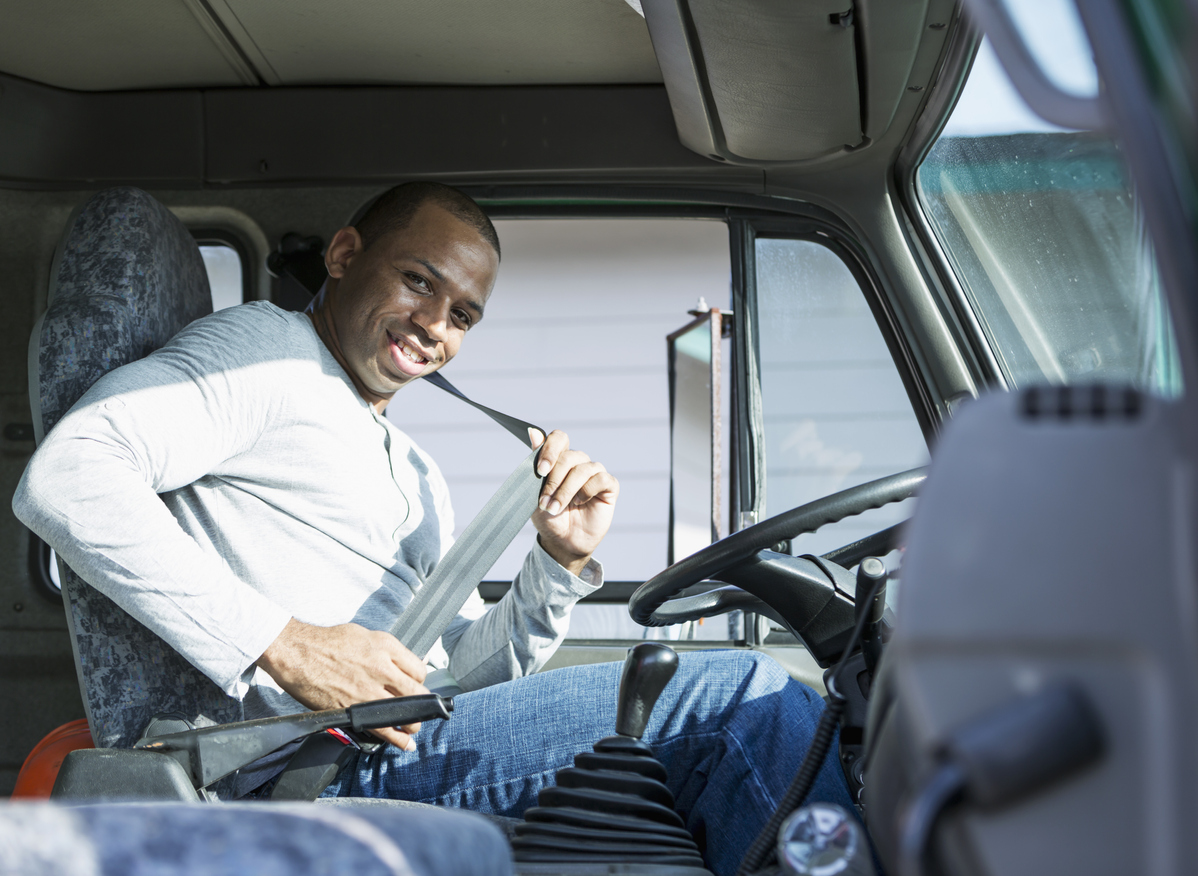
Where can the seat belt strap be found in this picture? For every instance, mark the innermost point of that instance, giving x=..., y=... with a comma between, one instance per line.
x=517, y=427
x=439, y=599
x=458, y=574
x=446, y=590
x=461, y=570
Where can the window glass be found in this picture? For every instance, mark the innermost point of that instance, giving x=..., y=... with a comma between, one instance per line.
x=1042, y=229
x=836, y=413
x=225, y=276
x=574, y=338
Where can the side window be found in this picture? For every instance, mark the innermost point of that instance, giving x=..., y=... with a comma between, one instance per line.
x=226, y=274
x=835, y=410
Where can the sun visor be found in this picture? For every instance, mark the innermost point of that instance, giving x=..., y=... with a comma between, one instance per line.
x=780, y=81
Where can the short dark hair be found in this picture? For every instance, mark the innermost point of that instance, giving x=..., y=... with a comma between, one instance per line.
x=393, y=210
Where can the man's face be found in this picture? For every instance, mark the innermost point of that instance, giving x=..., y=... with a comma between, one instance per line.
x=401, y=307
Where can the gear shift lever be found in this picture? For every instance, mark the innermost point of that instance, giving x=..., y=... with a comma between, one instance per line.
x=647, y=670
x=612, y=808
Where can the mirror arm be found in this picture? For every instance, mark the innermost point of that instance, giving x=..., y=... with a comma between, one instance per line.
x=1045, y=99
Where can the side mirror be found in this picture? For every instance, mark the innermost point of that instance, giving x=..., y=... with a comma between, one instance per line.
x=699, y=422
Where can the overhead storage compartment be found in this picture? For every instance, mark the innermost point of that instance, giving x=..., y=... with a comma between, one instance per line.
x=783, y=81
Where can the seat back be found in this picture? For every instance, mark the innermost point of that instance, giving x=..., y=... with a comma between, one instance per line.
x=126, y=277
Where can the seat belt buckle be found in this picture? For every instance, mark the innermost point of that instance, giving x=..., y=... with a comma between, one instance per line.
x=343, y=737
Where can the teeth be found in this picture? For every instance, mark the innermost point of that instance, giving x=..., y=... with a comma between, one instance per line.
x=411, y=354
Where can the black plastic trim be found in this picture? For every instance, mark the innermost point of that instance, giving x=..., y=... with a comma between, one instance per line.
x=610, y=593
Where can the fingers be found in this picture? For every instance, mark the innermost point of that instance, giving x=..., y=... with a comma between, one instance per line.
x=335, y=667
x=396, y=737
x=571, y=477
x=404, y=680
x=575, y=480
x=535, y=437
x=409, y=666
x=552, y=449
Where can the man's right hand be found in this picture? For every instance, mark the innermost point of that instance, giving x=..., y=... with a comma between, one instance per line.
x=336, y=667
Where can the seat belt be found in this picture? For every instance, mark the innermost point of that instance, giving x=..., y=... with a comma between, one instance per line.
x=321, y=756
x=517, y=427
x=458, y=574
x=461, y=570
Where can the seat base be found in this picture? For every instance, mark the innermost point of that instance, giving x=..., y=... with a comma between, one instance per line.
x=116, y=774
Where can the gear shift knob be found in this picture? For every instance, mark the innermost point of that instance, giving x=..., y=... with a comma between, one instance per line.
x=647, y=670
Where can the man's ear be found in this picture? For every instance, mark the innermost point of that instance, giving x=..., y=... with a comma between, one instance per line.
x=345, y=245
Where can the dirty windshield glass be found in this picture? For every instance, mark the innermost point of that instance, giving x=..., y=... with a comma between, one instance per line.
x=1041, y=227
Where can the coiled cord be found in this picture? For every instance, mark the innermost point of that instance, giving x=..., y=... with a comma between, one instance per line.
x=762, y=848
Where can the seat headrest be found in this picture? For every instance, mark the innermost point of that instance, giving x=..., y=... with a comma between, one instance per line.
x=127, y=276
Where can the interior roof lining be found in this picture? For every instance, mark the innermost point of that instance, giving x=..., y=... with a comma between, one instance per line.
x=145, y=44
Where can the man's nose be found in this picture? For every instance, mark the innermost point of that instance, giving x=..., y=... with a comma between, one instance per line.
x=433, y=319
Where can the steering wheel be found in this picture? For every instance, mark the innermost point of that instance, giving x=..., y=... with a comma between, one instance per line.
x=652, y=604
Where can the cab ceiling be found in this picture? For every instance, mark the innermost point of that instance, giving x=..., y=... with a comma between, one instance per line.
x=698, y=92
x=154, y=44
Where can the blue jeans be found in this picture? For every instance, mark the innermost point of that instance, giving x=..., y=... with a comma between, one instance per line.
x=731, y=729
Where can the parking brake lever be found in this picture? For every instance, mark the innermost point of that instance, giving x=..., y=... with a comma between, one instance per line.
x=211, y=753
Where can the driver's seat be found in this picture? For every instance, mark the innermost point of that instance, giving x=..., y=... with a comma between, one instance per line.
x=126, y=277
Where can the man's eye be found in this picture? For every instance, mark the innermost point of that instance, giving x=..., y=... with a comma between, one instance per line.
x=463, y=318
x=418, y=281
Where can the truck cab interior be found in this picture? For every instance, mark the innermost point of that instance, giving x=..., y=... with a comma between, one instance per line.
x=767, y=261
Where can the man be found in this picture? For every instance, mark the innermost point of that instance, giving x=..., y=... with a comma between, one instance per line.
x=240, y=493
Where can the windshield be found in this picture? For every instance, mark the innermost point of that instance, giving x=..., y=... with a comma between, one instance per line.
x=1042, y=229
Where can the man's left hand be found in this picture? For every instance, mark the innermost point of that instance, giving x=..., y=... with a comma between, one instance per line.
x=578, y=497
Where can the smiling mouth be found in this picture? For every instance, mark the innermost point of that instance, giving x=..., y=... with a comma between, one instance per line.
x=404, y=354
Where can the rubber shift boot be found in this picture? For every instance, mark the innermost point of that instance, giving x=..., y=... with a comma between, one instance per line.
x=611, y=808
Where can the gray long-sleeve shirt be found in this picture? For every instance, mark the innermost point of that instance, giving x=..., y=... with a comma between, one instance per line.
x=235, y=479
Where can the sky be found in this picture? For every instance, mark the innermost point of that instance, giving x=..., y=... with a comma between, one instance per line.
x=990, y=105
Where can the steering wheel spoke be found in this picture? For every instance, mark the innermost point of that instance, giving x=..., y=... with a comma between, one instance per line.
x=710, y=603
x=806, y=598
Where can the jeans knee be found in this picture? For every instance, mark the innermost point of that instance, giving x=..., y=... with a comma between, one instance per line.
x=763, y=670
x=743, y=673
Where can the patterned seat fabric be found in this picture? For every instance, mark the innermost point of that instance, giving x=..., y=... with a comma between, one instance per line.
x=126, y=278
x=181, y=839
